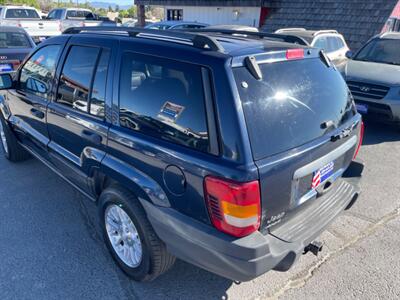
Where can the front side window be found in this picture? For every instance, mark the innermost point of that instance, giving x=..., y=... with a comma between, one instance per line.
x=163, y=99
x=76, y=77
x=38, y=72
x=21, y=13
x=340, y=43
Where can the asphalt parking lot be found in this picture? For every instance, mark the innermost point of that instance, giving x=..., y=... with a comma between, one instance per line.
x=50, y=246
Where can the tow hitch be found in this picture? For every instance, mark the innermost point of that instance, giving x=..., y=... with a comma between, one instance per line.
x=314, y=247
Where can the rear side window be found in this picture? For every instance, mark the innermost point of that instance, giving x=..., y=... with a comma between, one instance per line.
x=164, y=99
x=21, y=13
x=38, y=72
x=76, y=77
x=81, y=14
x=98, y=94
x=286, y=108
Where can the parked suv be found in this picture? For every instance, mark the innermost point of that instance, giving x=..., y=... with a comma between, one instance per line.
x=371, y=75
x=231, y=158
x=332, y=42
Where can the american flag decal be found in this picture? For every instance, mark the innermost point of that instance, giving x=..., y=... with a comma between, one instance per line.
x=322, y=174
x=316, y=180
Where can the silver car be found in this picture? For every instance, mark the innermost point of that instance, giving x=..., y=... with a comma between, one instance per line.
x=373, y=76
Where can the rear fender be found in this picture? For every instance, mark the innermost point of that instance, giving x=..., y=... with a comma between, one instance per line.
x=135, y=180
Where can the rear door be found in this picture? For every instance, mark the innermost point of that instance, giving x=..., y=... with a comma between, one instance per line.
x=77, y=119
x=303, y=130
x=28, y=102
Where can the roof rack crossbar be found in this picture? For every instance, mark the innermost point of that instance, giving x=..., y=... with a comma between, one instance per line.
x=200, y=41
x=282, y=37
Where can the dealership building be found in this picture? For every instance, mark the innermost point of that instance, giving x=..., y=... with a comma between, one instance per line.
x=356, y=20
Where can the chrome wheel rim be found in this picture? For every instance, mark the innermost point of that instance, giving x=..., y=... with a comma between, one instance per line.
x=123, y=236
x=3, y=138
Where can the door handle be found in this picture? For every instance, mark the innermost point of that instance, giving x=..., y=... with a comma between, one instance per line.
x=91, y=136
x=37, y=113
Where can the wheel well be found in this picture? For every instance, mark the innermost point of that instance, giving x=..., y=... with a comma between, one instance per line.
x=100, y=181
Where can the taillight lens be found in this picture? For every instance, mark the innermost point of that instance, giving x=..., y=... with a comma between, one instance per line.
x=15, y=64
x=360, y=140
x=294, y=54
x=234, y=207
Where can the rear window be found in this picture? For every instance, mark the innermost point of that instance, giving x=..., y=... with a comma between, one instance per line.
x=14, y=40
x=21, y=13
x=79, y=14
x=286, y=108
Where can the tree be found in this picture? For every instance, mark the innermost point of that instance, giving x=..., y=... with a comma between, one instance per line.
x=117, y=8
x=132, y=13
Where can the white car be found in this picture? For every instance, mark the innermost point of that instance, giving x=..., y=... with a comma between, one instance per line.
x=77, y=17
x=332, y=42
x=29, y=19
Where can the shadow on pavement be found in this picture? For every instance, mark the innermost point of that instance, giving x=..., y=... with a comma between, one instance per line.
x=377, y=133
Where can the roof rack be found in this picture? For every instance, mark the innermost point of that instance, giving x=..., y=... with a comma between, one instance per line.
x=197, y=40
x=290, y=29
x=281, y=37
x=324, y=31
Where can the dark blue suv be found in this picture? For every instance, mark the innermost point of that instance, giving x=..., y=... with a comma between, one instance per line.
x=230, y=150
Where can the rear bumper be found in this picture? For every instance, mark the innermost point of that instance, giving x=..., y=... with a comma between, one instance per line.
x=238, y=259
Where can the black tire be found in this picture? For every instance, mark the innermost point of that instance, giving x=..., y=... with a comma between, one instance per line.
x=15, y=152
x=155, y=258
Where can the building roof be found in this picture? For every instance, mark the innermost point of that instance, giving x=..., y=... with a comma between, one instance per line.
x=356, y=20
x=202, y=2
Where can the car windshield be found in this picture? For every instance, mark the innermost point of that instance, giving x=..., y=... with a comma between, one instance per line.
x=22, y=13
x=384, y=51
x=14, y=40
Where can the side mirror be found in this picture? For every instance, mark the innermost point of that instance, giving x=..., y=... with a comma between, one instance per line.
x=6, y=81
x=349, y=54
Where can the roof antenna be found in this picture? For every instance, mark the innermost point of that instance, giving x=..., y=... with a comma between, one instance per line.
x=252, y=66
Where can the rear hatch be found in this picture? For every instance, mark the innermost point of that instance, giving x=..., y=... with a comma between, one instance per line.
x=303, y=130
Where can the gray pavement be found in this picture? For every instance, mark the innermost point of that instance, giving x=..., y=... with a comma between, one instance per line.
x=50, y=246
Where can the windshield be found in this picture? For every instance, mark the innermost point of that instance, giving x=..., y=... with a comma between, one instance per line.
x=287, y=108
x=22, y=13
x=380, y=51
x=14, y=40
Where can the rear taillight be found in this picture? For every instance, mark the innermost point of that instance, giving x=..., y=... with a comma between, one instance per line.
x=360, y=140
x=15, y=64
x=234, y=207
x=294, y=54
